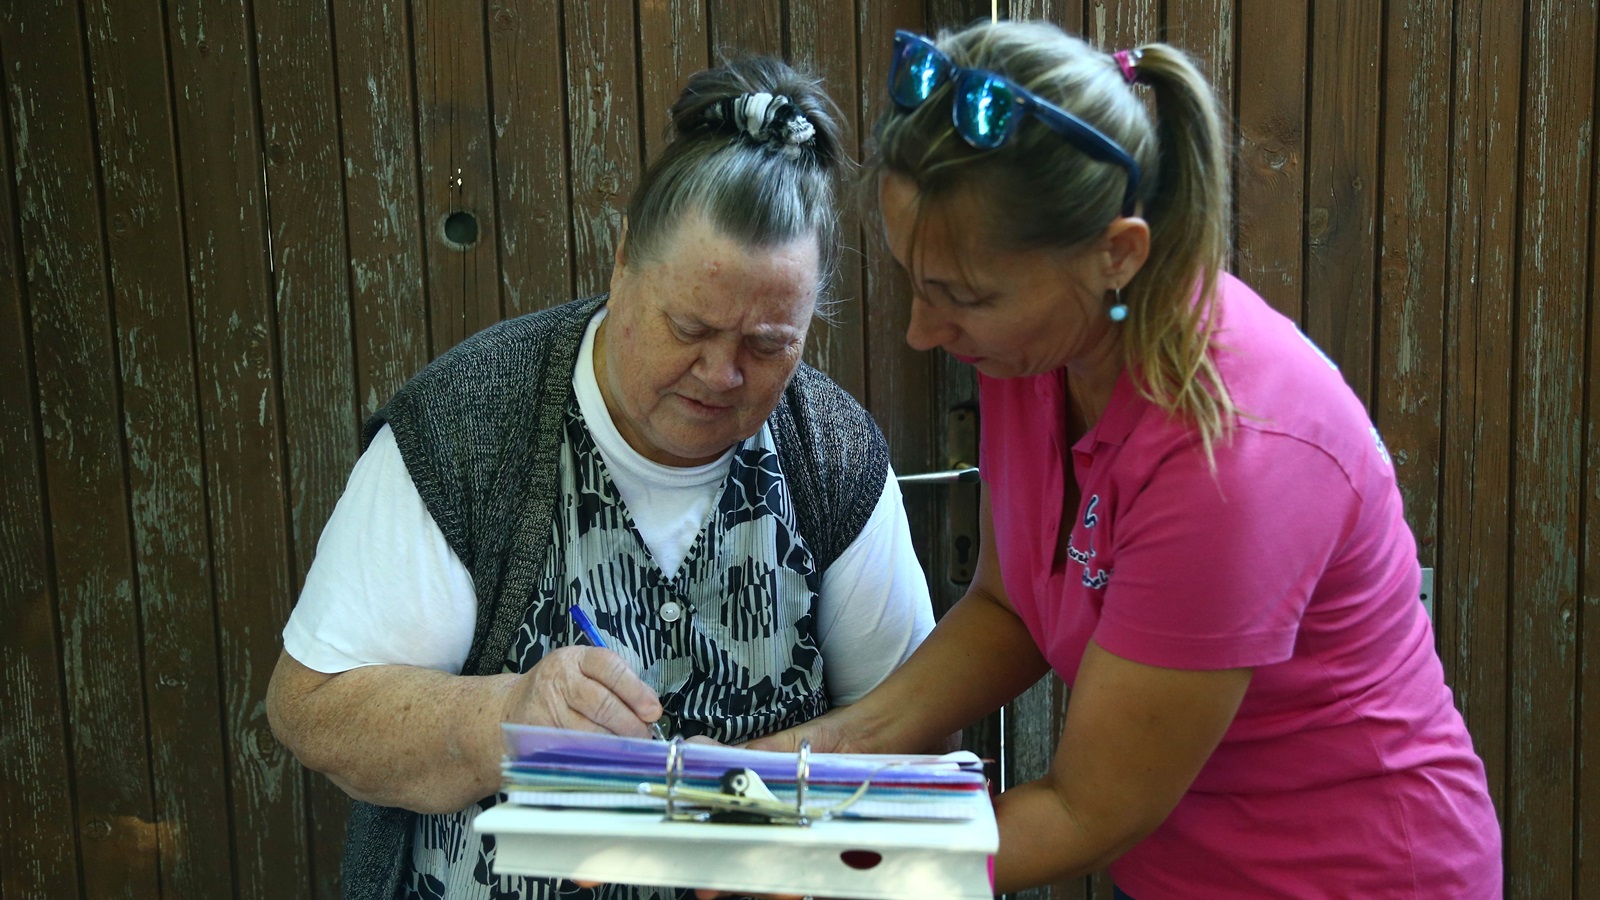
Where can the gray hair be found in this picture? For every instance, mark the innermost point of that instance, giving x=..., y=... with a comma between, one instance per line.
x=754, y=146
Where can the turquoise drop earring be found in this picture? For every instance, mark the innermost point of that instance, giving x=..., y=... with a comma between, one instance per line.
x=1119, y=310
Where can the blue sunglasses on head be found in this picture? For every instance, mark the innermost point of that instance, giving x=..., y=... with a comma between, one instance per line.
x=988, y=107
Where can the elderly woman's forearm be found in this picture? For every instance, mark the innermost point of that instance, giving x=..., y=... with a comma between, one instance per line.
x=395, y=735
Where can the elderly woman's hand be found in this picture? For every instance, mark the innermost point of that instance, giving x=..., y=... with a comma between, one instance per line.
x=584, y=689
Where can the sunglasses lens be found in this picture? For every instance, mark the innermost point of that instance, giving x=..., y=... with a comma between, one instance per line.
x=915, y=73
x=986, y=110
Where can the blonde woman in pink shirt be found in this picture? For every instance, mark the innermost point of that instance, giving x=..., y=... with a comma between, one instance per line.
x=1187, y=514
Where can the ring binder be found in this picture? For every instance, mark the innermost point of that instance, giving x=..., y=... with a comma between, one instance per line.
x=590, y=807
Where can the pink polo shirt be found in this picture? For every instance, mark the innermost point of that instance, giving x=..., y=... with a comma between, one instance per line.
x=1348, y=771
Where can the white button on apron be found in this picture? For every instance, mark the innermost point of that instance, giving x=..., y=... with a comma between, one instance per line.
x=671, y=611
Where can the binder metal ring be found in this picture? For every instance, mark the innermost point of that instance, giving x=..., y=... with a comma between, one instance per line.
x=802, y=774
x=689, y=804
x=674, y=772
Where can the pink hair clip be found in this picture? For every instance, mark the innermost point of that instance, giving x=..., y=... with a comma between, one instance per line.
x=1126, y=60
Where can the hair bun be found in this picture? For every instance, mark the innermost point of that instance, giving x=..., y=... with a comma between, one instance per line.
x=766, y=119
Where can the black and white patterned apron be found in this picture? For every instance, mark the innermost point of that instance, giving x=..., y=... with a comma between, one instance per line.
x=729, y=642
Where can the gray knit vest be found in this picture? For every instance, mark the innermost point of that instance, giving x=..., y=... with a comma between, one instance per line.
x=480, y=430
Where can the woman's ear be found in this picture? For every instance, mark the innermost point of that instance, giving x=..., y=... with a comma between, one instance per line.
x=622, y=244
x=619, y=272
x=1127, y=246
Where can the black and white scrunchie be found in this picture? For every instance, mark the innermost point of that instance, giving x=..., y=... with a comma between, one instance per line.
x=767, y=118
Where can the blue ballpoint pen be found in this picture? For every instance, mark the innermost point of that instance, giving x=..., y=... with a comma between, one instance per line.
x=589, y=631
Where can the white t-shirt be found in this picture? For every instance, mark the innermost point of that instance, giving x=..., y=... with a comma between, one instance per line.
x=386, y=589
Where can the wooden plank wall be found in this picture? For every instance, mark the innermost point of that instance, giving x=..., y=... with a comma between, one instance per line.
x=229, y=231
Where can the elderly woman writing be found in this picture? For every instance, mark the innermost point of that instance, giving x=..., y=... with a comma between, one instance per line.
x=658, y=462
x=1187, y=515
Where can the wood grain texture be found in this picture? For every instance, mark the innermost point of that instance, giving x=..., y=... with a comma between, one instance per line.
x=747, y=26
x=900, y=385
x=1271, y=169
x=602, y=133
x=898, y=394
x=306, y=211
x=1114, y=24
x=382, y=215
x=457, y=169
x=1472, y=579
x=1586, y=877
x=1069, y=14
x=836, y=345
x=530, y=151
x=1205, y=29
x=1342, y=180
x=1209, y=31
x=299, y=117
x=678, y=45
x=1557, y=136
x=160, y=399
x=60, y=231
x=39, y=853
x=235, y=330
x=1412, y=256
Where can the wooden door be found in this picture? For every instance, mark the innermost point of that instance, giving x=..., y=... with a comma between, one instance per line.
x=229, y=231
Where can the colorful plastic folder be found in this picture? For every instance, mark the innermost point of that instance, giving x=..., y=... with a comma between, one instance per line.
x=623, y=810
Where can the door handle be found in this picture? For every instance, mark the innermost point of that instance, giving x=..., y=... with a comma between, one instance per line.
x=960, y=537
x=951, y=476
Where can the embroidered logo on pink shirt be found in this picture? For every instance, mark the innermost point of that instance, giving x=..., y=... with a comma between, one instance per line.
x=1101, y=577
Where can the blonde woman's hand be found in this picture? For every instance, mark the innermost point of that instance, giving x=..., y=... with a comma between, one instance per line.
x=825, y=733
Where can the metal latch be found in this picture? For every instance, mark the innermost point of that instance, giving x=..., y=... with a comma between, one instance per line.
x=960, y=536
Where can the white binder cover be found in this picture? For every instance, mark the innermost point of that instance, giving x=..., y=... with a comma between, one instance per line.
x=837, y=858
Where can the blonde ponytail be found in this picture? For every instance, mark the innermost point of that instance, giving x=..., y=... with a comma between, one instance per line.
x=1172, y=301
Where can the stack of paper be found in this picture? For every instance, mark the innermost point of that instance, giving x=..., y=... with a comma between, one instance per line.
x=924, y=828
x=553, y=767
